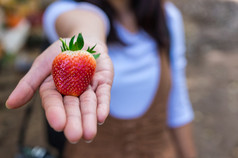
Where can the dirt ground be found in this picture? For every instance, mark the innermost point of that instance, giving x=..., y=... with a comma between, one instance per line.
x=212, y=52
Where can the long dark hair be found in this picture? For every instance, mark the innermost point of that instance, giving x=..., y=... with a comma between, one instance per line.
x=150, y=16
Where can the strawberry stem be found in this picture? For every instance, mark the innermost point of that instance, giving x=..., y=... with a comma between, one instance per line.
x=78, y=45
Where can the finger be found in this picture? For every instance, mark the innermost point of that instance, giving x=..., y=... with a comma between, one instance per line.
x=28, y=85
x=88, y=105
x=73, y=129
x=103, y=98
x=21, y=95
x=52, y=103
x=40, y=69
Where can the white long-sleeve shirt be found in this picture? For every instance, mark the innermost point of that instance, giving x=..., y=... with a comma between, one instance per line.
x=137, y=65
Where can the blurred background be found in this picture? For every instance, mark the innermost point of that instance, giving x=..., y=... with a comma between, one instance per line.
x=211, y=28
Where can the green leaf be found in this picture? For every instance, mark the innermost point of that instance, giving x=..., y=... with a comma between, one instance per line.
x=71, y=43
x=64, y=45
x=96, y=56
x=80, y=42
x=90, y=50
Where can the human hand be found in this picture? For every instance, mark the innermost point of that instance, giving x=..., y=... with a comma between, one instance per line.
x=76, y=116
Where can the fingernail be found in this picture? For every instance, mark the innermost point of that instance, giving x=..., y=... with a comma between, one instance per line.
x=73, y=142
x=88, y=141
x=100, y=123
x=7, y=106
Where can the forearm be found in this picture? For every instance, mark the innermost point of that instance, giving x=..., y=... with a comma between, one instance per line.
x=184, y=142
x=76, y=21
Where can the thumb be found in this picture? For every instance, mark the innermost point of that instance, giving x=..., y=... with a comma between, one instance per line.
x=27, y=86
x=20, y=95
x=40, y=69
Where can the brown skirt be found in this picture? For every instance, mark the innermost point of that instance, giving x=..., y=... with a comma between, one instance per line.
x=144, y=137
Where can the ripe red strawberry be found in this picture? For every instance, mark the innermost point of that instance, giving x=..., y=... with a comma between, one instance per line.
x=73, y=68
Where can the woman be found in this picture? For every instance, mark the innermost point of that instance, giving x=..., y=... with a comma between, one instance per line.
x=144, y=40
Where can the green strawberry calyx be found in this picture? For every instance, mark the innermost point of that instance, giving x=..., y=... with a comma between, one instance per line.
x=77, y=45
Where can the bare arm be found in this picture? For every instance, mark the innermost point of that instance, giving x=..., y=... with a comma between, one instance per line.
x=89, y=23
x=184, y=141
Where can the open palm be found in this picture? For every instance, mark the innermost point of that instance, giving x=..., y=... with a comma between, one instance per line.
x=76, y=116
